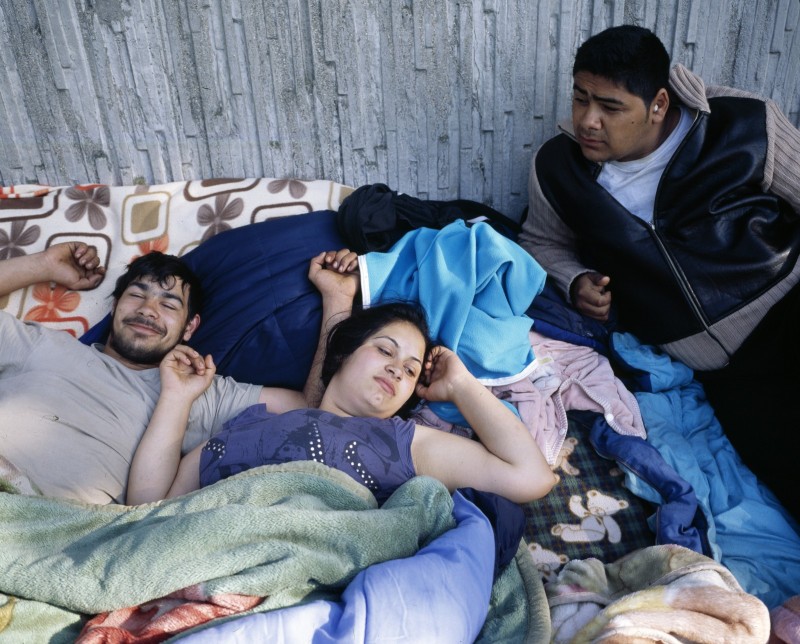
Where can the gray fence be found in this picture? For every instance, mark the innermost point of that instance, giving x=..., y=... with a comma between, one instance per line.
x=437, y=98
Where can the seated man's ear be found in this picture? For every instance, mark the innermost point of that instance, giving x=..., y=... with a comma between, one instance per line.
x=191, y=327
x=660, y=106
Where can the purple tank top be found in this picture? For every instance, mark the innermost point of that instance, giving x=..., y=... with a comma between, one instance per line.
x=375, y=452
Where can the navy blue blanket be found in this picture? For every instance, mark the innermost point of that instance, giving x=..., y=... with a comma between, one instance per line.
x=262, y=316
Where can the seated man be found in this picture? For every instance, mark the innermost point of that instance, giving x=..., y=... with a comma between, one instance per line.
x=72, y=415
x=681, y=202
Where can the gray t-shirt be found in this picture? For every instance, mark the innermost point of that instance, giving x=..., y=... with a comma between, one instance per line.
x=71, y=416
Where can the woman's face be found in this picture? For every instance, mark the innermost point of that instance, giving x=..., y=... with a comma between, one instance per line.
x=380, y=376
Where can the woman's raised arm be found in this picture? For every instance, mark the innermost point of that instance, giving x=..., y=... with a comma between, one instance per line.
x=506, y=461
x=335, y=274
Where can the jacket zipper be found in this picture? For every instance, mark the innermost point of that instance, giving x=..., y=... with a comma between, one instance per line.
x=681, y=278
x=683, y=283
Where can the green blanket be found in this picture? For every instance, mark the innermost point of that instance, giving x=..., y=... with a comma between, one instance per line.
x=287, y=533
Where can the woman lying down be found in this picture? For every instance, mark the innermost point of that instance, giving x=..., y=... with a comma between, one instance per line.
x=376, y=363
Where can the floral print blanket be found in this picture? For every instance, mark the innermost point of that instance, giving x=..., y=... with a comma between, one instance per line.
x=123, y=222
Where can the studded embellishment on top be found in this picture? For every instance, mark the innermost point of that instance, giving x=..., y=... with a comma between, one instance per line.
x=216, y=447
x=315, y=450
x=351, y=453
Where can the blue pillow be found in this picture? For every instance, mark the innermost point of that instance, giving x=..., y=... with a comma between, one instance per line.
x=261, y=317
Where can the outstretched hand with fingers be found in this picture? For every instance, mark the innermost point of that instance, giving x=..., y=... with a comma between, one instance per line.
x=335, y=273
x=74, y=265
x=185, y=373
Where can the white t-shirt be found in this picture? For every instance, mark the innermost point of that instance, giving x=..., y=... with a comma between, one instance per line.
x=634, y=183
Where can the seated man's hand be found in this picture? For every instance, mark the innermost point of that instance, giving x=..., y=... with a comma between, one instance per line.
x=74, y=265
x=591, y=296
x=335, y=273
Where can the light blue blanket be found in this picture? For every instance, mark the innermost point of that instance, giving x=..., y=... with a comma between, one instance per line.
x=475, y=286
x=750, y=533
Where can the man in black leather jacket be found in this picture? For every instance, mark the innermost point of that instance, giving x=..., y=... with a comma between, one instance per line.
x=679, y=203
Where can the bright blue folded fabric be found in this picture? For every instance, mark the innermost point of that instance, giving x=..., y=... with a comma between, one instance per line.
x=475, y=286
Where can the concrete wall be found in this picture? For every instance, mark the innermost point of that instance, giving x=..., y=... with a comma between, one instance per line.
x=437, y=98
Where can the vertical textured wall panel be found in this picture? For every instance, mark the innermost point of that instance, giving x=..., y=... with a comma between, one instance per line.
x=437, y=98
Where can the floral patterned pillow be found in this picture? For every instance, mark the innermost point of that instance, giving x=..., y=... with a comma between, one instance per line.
x=124, y=222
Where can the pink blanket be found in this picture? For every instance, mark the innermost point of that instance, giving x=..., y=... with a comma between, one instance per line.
x=569, y=377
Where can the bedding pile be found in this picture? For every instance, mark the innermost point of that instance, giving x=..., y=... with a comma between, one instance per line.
x=661, y=594
x=764, y=554
x=301, y=544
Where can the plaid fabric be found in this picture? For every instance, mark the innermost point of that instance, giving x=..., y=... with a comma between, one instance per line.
x=589, y=513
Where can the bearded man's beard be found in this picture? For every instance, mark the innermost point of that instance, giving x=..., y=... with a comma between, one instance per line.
x=133, y=352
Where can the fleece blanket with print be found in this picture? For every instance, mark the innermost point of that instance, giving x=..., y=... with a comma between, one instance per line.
x=274, y=536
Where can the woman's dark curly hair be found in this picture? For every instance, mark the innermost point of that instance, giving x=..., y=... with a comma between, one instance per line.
x=349, y=334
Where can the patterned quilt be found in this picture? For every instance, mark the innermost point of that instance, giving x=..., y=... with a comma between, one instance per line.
x=124, y=222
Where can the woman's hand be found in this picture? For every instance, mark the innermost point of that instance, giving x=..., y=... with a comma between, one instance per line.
x=443, y=376
x=505, y=460
x=335, y=273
